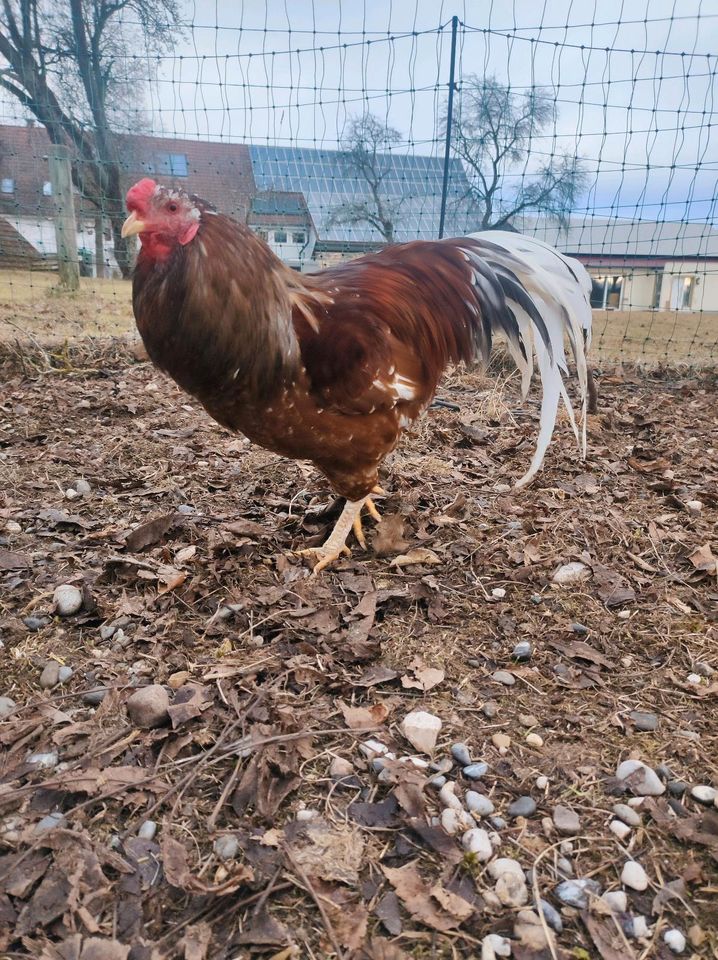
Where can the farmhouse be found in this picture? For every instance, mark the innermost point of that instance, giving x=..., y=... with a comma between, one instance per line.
x=294, y=198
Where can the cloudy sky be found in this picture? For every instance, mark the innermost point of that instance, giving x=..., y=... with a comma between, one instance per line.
x=634, y=82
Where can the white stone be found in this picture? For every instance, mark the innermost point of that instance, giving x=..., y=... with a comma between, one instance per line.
x=373, y=748
x=639, y=927
x=695, y=506
x=421, y=729
x=640, y=778
x=148, y=830
x=12, y=526
x=616, y=900
x=511, y=890
x=675, y=940
x=67, y=599
x=494, y=945
x=619, y=829
x=693, y=678
x=542, y=782
x=704, y=794
x=448, y=796
x=534, y=740
x=478, y=842
x=82, y=487
x=455, y=821
x=308, y=814
x=498, y=592
x=627, y=814
x=505, y=865
x=634, y=876
x=569, y=573
x=479, y=804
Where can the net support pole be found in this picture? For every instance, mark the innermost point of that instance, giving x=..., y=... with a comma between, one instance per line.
x=65, y=225
x=449, y=117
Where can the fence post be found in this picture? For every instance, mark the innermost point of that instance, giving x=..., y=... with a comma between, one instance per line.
x=65, y=225
x=449, y=116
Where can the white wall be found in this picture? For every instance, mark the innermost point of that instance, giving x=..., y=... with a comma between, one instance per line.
x=40, y=232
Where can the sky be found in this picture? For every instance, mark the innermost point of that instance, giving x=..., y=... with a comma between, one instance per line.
x=634, y=82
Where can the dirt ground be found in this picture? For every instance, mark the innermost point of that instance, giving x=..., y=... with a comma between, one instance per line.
x=232, y=829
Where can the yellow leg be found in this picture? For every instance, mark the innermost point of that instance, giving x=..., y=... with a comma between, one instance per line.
x=335, y=544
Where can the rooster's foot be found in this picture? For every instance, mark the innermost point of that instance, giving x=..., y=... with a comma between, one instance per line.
x=335, y=545
x=323, y=556
x=373, y=512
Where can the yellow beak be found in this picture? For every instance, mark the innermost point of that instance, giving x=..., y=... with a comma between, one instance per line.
x=132, y=225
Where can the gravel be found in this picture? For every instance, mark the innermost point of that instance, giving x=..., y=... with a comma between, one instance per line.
x=226, y=847
x=477, y=841
x=674, y=940
x=551, y=916
x=634, y=876
x=503, y=676
x=704, y=794
x=7, y=705
x=534, y=740
x=523, y=651
x=421, y=729
x=52, y=821
x=511, y=890
x=627, y=814
x=147, y=830
x=147, y=707
x=48, y=759
x=505, y=865
x=644, y=721
x=566, y=820
x=576, y=893
x=476, y=771
x=619, y=829
x=64, y=674
x=501, y=740
x=640, y=779
x=460, y=753
x=94, y=696
x=479, y=804
x=677, y=787
x=616, y=900
x=67, y=599
x=50, y=674
x=570, y=573
x=522, y=807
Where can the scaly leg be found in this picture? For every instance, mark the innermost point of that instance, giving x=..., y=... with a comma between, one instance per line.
x=373, y=512
x=335, y=544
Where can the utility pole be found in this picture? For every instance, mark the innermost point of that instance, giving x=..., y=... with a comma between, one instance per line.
x=65, y=225
x=449, y=115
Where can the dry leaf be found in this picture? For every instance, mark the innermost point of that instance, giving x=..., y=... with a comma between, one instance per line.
x=361, y=718
x=389, y=536
x=417, y=897
x=151, y=532
x=330, y=851
x=416, y=556
x=703, y=559
x=424, y=678
x=185, y=554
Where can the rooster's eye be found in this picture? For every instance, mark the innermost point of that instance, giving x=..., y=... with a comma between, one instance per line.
x=172, y=207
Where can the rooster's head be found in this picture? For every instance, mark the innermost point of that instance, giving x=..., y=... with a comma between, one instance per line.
x=161, y=216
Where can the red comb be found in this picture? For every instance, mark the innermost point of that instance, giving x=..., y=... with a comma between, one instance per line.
x=139, y=195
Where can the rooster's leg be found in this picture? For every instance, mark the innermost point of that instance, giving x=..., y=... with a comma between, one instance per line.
x=335, y=544
x=373, y=512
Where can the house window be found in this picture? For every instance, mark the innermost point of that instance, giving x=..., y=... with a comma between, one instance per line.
x=47, y=189
x=8, y=185
x=262, y=234
x=280, y=236
x=169, y=164
x=298, y=237
x=682, y=292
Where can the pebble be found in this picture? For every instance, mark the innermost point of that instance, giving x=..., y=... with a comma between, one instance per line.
x=460, y=753
x=494, y=945
x=34, y=624
x=226, y=847
x=48, y=759
x=479, y=804
x=704, y=794
x=528, y=720
x=627, y=814
x=616, y=900
x=704, y=669
x=53, y=821
x=505, y=865
x=498, y=592
x=580, y=628
x=455, y=821
x=645, y=722
x=536, y=599
x=522, y=807
x=107, y=631
x=490, y=709
x=498, y=823
x=50, y=674
x=340, y=768
x=147, y=830
x=64, y=674
x=694, y=506
x=378, y=764
x=634, y=876
x=503, y=676
x=566, y=820
x=448, y=797
x=541, y=782
x=437, y=782
x=147, y=707
x=640, y=779
x=570, y=573
x=501, y=740
x=551, y=916
x=83, y=487
x=523, y=651
x=575, y=893
x=639, y=927
x=674, y=940
x=511, y=890
x=565, y=867
x=307, y=814
x=442, y=766
x=95, y=696
x=476, y=771
x=7, y=705
x=71, y=494
x=693, y=678
x=67, y=599
x=477, y=841
x=534, y=740
x=619, y=829
x=373, y=748
x=677, y=787
x=12, y=526
x=421, y=729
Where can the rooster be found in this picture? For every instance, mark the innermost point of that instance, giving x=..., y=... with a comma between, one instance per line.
x=332, y=367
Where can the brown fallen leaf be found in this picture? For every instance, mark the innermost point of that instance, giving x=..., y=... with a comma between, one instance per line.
x=417, y=897
x=329, y=851
x=416, y=556
x=607, y=937
x=581, y=650
x=264, y=930
x=388, y=537
x=451, y=902
x=702, y=559
x=13, y=561
x=613, y=588
x=361, y=718
x=422, y=677
x=382, y=814
x=387, y=910
x=150, y=533
x=178, y=874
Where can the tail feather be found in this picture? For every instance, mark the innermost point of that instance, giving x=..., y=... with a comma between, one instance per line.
x=537, y=298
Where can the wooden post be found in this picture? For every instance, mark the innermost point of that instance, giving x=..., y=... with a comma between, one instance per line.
x=65, y=225
x=99, y=246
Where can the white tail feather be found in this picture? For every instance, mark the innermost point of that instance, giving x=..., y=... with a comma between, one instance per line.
x=558, y=288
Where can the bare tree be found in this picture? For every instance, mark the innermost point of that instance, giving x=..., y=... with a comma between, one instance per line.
x=69, y=63
x=493, y=130
x=365, y=148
